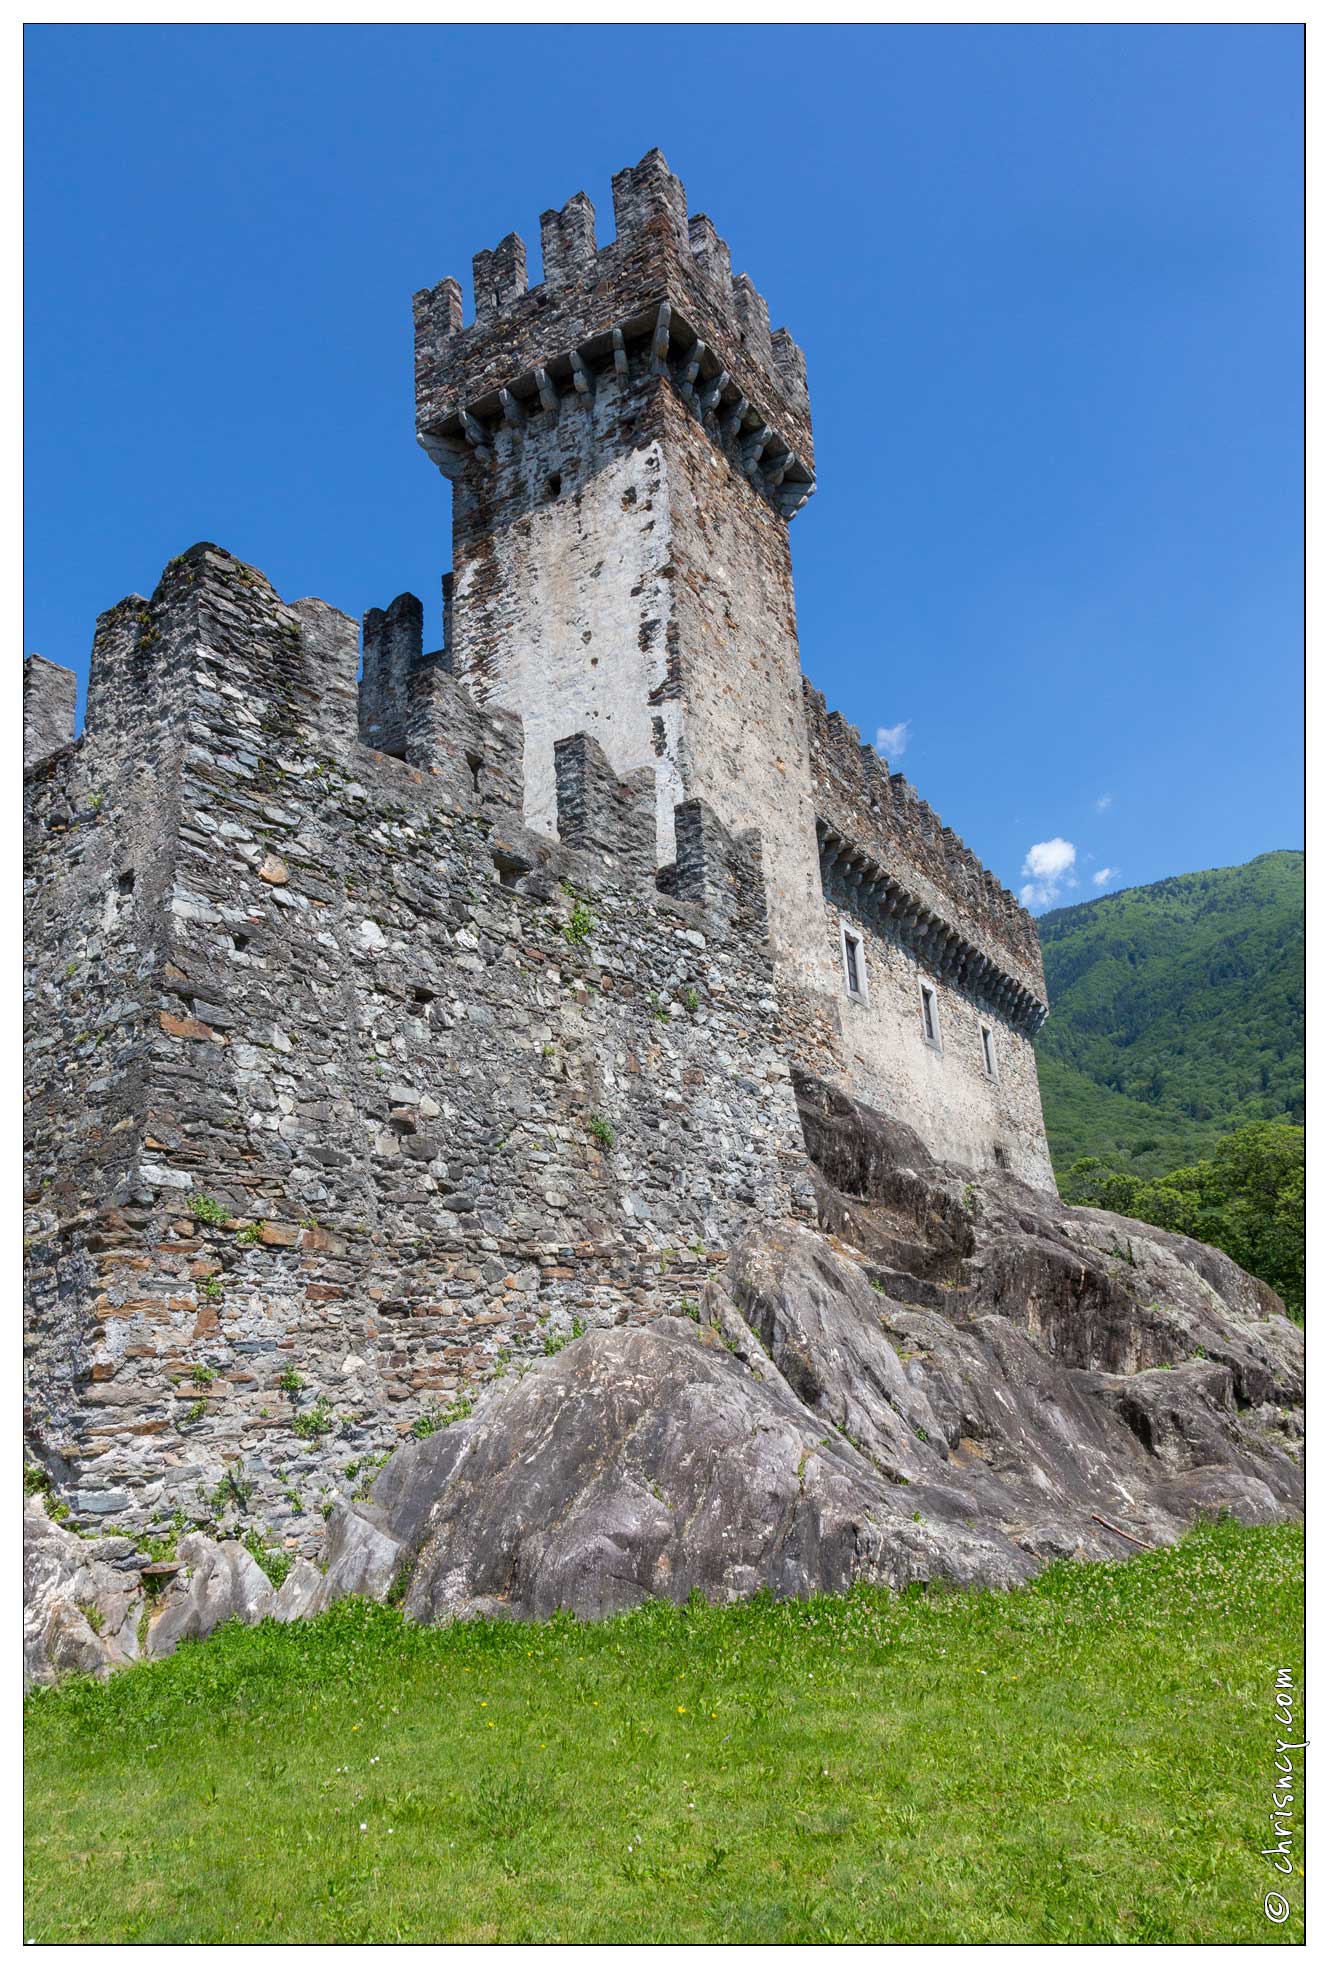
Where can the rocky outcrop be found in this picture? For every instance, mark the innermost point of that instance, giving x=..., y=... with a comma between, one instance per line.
x=220, y=1582
x=948, y=1380
x=91, y=1605
x=80, y=1604
x=1095, y=1289
x=651, y=1461
x=987, y=1426
x=1100, y=1365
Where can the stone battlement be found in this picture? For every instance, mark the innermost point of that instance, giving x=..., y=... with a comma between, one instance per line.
x=337, y=1072
x=872, y=823
x=299, y=661
x=659, y=301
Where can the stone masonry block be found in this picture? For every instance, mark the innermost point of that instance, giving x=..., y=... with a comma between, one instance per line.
x=601, y=813
x=50, y=693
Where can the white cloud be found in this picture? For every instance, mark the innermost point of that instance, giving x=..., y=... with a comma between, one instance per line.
x=1104, y=875
x=892, y=739
x=1103, y=802
x=1051, y=867
x=1050, y=860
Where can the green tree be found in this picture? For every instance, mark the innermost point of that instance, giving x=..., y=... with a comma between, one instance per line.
x=1248, y=1199
x=1262, y=1171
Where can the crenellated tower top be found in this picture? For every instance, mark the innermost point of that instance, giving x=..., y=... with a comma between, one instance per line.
x=659, y=299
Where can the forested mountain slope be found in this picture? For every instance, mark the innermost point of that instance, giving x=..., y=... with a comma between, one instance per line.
x=1178, y=1013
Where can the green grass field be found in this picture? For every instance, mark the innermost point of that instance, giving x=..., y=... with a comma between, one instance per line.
x=1088, y=1759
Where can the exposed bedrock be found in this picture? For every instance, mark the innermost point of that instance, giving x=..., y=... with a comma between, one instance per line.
x=1091, y=1289
x=951, y=1380
x=651, y=1461
x=91, y=1605
x=948, y=1381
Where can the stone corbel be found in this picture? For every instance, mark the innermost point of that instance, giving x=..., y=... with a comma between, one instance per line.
x=732, y=424
x=477, y=437
x=712, y=393
x=660, y=339
x=793, y=498
x=450, y=457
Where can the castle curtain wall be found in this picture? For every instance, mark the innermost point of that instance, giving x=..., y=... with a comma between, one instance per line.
x=943, y=1089
x=368, y=1089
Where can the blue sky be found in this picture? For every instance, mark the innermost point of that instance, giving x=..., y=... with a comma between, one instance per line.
x=1049, y=286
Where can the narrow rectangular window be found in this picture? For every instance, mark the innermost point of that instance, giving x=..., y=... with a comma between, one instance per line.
x=989, y=1056
x=929, y=1014
x=854, y=960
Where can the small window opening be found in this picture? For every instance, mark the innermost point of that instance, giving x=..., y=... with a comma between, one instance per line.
x=855, y=964
x=553, y=485
x=930, y=1025
x=125, y=883
x=510, y=868
x=476, y=764
x=421, y=996
x=989, y=1053
x=239, y=940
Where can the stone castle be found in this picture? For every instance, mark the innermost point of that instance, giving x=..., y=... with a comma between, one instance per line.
x=393, y=1015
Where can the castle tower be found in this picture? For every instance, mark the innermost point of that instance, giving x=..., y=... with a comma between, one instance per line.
x=627, y=444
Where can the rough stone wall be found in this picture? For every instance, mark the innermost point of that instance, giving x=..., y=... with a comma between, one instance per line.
x=649, y=600
x=100, y=844
x=626, y=444
x=562, y=599
x=402, y=1091
x=743, y=737
x=393, y=658
x=926, y=911
x=965, y=1114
